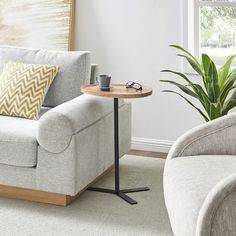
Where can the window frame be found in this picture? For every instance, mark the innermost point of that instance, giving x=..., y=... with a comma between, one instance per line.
x=191, y=26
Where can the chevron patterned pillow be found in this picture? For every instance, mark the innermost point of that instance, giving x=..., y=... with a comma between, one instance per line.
x=23, y=88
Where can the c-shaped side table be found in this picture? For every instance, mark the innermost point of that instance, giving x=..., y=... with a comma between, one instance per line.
x=117, y=91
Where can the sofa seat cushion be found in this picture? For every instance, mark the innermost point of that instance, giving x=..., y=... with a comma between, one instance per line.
x=18, y=144
x=187, y=182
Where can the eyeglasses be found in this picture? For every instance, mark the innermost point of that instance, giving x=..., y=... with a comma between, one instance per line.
x=134, y=85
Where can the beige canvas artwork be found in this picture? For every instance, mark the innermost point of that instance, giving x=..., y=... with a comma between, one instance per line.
x=36, y=23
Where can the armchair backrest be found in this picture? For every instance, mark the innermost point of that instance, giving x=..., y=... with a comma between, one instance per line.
x=75, y=69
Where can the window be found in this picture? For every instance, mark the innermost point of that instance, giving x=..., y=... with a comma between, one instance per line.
x=211, y=28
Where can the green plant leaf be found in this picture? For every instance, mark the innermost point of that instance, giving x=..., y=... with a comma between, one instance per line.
x=203, y=115
x=214, y=89
x=203, y=98
x=214, y=96
x=194, y=65
x=182, y=87
x=210, y=78
x=224, y=71
x=215, y=111
x=225, y=94
x=230, y=103
x=179, y=74
x=228, y=86
x=196, y=87
x=206, y=61
x=186, y=52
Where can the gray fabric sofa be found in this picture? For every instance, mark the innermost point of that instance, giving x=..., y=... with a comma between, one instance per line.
x=200, y=180
x=72, y=142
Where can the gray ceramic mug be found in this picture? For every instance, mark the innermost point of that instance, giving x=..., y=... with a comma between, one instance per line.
x=103, y=82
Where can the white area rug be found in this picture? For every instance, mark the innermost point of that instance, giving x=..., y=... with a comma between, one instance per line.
x=94, y=213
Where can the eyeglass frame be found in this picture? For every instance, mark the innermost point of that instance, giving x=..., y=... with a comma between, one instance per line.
x=132, y=85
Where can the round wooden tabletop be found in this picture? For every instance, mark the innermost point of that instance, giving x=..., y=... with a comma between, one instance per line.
x=116, y=91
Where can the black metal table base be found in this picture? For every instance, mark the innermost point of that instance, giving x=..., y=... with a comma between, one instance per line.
x=117, y=191
x=121, y=193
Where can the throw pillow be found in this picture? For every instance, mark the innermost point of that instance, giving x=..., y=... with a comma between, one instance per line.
x=23, y=88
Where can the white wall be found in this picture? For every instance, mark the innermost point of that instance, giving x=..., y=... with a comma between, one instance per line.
x=130, y=38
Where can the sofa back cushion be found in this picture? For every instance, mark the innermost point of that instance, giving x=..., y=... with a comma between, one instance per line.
x=74, y=70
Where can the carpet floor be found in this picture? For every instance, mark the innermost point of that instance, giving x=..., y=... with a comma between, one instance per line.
x=97, y=214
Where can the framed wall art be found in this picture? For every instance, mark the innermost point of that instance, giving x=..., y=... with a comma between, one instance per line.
x=37, y=23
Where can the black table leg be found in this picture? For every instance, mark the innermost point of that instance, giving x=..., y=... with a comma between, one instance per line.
x=116, y=145
x=118, y=191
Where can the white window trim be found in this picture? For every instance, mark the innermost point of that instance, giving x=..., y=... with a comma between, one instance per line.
x=216, y=4
x=191, y=27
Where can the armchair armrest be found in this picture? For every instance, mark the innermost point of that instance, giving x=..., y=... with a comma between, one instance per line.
x=57, y=126
x=218, y=212
x=217, y=137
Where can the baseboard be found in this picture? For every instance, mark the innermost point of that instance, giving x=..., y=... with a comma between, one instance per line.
x=152, y=145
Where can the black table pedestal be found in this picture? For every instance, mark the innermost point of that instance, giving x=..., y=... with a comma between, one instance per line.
x=120, y=193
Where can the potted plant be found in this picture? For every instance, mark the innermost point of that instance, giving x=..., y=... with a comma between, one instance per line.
x=216, y=90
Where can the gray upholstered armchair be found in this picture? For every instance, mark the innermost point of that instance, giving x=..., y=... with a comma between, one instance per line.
x=200, y=180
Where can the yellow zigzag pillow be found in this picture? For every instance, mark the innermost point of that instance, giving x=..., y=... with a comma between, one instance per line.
x=23, y=88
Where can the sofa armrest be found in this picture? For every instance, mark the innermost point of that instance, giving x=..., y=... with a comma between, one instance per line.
x=217, y=137
x=57, y=126
x=218, y=212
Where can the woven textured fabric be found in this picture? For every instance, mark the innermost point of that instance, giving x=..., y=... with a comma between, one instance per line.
x=74, y=71
x=23, y=88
